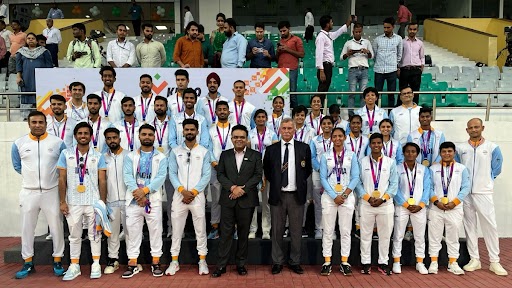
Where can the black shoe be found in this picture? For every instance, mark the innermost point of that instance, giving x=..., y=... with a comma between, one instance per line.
x=130, y=271
x=241, y=270
x=304, y=233
x=384, y=269
x=276, y=268
x=367, y=269
x=218, y=272
x=156, y=270
x=297, y=269
x=357, y=233
x=346, y=270
x=326, y=270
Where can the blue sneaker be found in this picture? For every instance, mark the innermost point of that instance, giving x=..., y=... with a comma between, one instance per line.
x=27, y=268
x=72, y=273
x=214, y=234
x=58, y=270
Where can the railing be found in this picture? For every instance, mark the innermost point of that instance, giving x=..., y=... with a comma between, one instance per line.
x=5, y=95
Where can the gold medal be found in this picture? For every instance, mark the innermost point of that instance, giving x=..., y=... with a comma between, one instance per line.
x=425, y=163
x=106, y=118
x=411, y=201
x=444, y=200
x=80, y=188
x=160, y=149
x=97, y=149
x=376, y=194
x=338, y=187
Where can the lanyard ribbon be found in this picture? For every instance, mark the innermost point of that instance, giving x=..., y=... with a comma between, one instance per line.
x=390, y=154
x=212, y=112
x=413, y=183
x=301, y=134
x=261, y=146
x=239, y=115
x=82, y=168
x=160, y=132
x=371, y=120
x=224, y=140
x=106, y=108
x=180, y=108
x=328, y=145
x=448, y=179
x=313, y=123
x=426, y=144
x=338, y=164
x=276, y=129
x=96, y=137
x=56, y=129
x=376, y=178
x=360, y=145
x=146, y=108
x=131, y=139
x=75, y=111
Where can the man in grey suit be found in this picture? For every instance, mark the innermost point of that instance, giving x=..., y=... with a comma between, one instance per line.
x=239, y=171
x=287, y=166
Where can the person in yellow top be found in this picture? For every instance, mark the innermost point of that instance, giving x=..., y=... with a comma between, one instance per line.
x=83, y=51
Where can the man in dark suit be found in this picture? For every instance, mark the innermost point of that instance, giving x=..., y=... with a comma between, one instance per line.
x=239, y=171
x=287, y=166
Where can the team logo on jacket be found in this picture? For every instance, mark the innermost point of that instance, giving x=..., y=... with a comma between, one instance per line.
x=303, y=163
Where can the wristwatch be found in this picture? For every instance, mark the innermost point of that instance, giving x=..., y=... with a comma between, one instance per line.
x=384, y=200
x=344, y=196
x=435, y=202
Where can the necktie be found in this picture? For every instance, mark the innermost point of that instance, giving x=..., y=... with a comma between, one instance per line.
x=284, y=169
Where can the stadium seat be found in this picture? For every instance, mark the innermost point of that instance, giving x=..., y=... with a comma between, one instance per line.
x=446, y=77
x=426, y=78
x=463, y=84
x=450, y=69
x=458, y=100
x=467, y=76
x=481, y=99
x=432, y=70
x=505, y=99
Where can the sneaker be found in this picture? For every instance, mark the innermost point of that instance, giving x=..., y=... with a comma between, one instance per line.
x=326, y=269
x=346, y=269
x=235, y=235
x=252, y=235
x=367, y=269
x=408, y=235
x=169, y=234
x=72, y=273
x=58, y=270
x=304, y=233
x=130, y=271
x=173, y=268
x=420, y=267
x=122, y=237
x=384, y=269
x=318, y=234
x=455, y=269
x=397, y=268
x=156, y=270
x=498, y=269
x=286, y=232
x=474, y=264
x=434, y=266
x=357, y=233
x=203, y=268
x=27, y=268
x=95, y=270
x=265, y=236
x=111, y=267
x=375, y=236
x=214, y=234
x=49, y=237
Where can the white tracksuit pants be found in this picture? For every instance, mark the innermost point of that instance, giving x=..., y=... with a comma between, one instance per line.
x=383, y=216
x=483, y=206
x=419, y=224
x=179, y=218
x=75, y=219
x=329, y=212
x=113, y=241
x=265, y=212
x=317, y=199
x=135, y=216
x=215, y=189
x=31, y=202
x=449, y=220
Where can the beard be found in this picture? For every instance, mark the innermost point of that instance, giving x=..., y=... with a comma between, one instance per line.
x=113, y=146
x=147, y=143
x=149, y=37
x=190, y=137
x=160, y=112
x=228, y=33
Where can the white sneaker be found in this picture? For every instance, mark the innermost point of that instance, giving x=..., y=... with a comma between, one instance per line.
x=49, y=237
x=122, y=237
x=420, y=267
x=72, y=273
x=95, y=270
x=434, y=266
x=111, y=267
x=318, y=234
x=408, y=235
x=455, y=269
x=474, y=264
x=397, y=269
x=265, y=236
x=203, y=268
x=252, y=235
x=173, y=268
x=498, y=269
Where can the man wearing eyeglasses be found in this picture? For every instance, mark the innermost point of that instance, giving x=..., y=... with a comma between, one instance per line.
x=190, y=172
x=406, y=116
x=121, y=52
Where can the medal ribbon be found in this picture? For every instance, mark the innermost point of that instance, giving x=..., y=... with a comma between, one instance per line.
x=160, y=132
x=95, y=138
x=131, y=139
x=390, y=149
x=145, y=109
x=376, y=178
x=278, y=123
x=106, y=108
x=261, y=146
x=56, y=129
x=212, y=113
x=180, y=108
x=81, y=169
x=328, y=146
x=371, y=120
x=338, y=164
x=75, y=111
x=360, y=146
x=224, y=141
x=448, y=179
x=411, y=185
x=426, y=144
x=301, y=134
x=239, y=115
x=313, y=123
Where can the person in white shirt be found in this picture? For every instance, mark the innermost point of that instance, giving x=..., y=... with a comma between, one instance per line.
x=427, y=138
x=241, y=112
x=99, y=124
x=110, y=97
x=76, y=107
x=116, y=192
x=188, y=17
x=128, y=126
x=414, y=189
x=190, y=173
x=206, y=105
x=451, y=185
x=339, y=174
x=315, y=116
x=4, y=11
x=144, y=172
x=378, y=187
x=309, y=23
x=277, y=115
x=370, y=112
x=59, y=124
x=145, y=102
x=121, y=52
x=175, y=102
x=406, y=116
x=357, y=51
x=4, y=33
x=82, y=185
x=53, y=40
x=34, y=156
x=481, y=156
x=324, y=53
x=319, y=145
x=335, y=113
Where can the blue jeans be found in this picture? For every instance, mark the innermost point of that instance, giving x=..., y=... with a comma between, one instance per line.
x=356, y=77
x=294, y=74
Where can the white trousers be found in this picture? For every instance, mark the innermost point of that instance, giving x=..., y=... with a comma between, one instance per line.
x=483, y=206
x=135, y=216
x=113, y=241
x=75, y=219
x=179, y=213
x=329, y=212
x=451, y=221
x=383, y=216
x=31, y=202
x=419, y=224
x=265, y=213
x=215, y=189
x=317, y=199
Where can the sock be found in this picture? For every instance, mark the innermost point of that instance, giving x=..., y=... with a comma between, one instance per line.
x=56, y=259
x=96, y=259
x=451, y=260
x=156, y=260
x=174, y=258
x=396, y=259
x=327, y=260
x=202, y=257
x=358, y=227
x=74, y=261
x=344, y=259
x=409, y=228
x=433, y=259
x=28, y=260
x=132, y=262
x=215, y=226
x=419, y=260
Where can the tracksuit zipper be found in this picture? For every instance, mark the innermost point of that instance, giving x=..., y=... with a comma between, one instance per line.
x=39, y=164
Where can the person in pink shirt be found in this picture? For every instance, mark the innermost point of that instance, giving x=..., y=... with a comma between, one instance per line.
x=17, y=41
x=404, y=17
x=412, y=62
